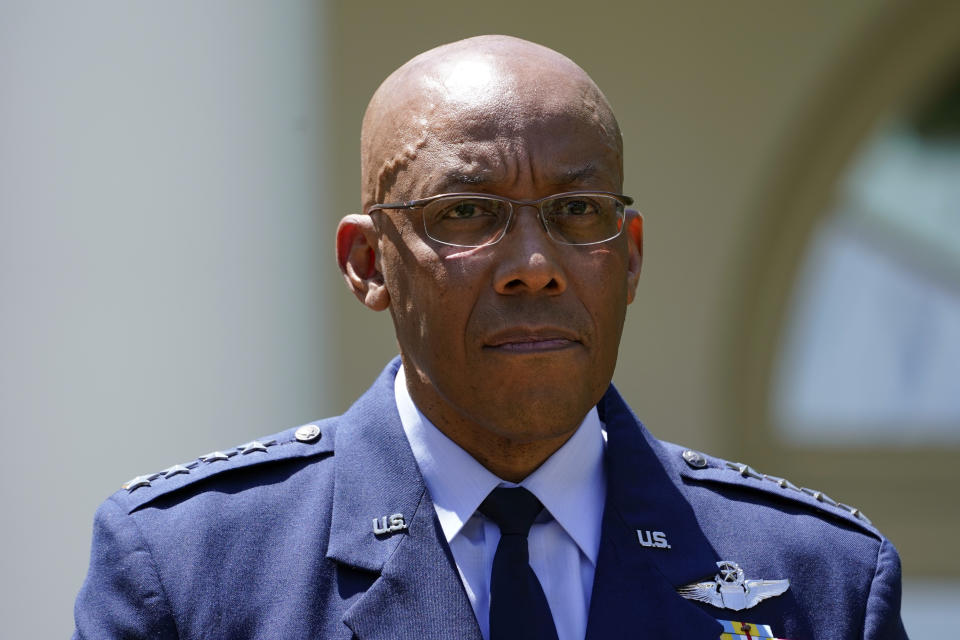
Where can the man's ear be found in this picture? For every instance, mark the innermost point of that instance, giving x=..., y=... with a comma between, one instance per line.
x=359, y=263
x=634, y=230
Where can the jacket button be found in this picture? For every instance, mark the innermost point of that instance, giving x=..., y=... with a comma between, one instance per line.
x=307, y=433
x=694, y=459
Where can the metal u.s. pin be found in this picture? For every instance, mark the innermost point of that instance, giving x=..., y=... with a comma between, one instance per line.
x=388, y=524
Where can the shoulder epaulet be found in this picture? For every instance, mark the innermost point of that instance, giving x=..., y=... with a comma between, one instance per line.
x=701, y=467
x=306, y=440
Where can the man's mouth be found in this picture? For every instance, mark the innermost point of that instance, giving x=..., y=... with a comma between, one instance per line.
x=532, y=340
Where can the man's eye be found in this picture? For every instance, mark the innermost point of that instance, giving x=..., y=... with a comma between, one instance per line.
x=463, y=210
x=467, y=210
x=574, y=208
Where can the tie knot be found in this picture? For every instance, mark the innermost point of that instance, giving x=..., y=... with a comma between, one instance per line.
x=513, y=510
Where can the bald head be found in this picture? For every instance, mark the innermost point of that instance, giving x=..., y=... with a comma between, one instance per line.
x=508, y=327
x=452, y=102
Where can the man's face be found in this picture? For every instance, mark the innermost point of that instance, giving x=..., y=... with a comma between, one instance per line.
x=518, y=339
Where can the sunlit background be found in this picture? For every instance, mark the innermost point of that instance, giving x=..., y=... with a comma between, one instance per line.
x=171, y=175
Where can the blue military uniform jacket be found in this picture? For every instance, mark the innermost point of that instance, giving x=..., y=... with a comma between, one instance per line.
x=275, y=539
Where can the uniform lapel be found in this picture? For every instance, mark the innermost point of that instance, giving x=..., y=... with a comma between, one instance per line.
x=418, y=592
x=634, y=591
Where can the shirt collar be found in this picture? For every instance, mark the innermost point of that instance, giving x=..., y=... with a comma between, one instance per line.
x=571, y=484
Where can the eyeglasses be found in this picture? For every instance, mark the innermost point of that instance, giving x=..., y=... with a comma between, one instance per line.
x=480, y=219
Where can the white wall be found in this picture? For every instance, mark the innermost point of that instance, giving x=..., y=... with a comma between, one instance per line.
x=161, y=232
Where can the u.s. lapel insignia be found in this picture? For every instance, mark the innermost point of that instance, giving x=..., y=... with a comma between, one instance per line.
x=730, y=590
x=388, y=524
x=746, y=631
x=654, y=539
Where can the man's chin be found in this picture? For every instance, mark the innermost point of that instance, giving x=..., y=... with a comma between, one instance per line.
x=534, y=412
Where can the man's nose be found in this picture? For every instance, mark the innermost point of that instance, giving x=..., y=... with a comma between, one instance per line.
x=528, y=260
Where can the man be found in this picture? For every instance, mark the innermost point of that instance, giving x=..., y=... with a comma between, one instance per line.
x=491, y=484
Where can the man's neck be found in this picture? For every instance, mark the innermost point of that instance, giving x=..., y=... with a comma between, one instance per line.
x=511, y=461
x=508, y=458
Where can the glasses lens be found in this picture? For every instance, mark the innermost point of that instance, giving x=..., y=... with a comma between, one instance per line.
x=466, y=221
x=583, y=218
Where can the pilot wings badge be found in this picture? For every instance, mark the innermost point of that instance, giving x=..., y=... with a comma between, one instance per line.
x=729, y=589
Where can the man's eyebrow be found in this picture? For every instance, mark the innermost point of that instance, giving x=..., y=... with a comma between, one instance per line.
x=567, y=176
x=457, y=178
x=576, y=174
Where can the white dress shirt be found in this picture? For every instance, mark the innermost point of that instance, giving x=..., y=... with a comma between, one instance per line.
x=563, y=542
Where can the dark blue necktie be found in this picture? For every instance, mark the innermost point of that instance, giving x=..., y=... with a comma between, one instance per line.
x=518, y=608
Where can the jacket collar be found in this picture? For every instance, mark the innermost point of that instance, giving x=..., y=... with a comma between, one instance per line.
x=635, y=585
x=419, y=591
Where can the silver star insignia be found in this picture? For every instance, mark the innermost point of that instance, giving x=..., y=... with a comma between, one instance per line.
x=250, y=447
x=214, y=456
x=136, y=483
x=174, y=470
x=730, y=590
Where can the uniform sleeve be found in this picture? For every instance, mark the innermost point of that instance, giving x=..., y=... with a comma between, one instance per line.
x=883, y=605
x=122, y=596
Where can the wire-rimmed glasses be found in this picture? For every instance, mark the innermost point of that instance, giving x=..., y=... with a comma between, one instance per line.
x=480, y=219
